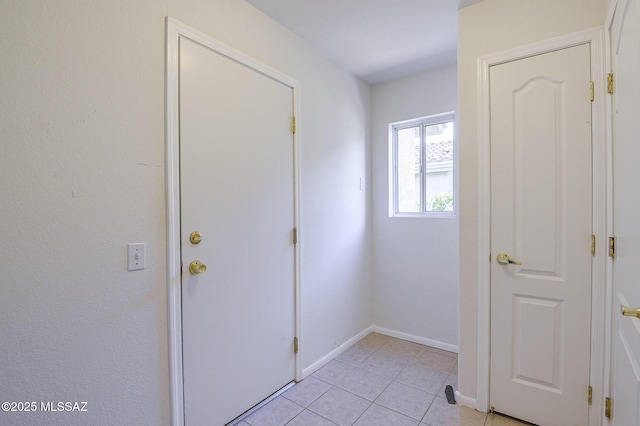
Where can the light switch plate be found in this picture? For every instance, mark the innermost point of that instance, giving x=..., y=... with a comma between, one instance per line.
x=136, y=256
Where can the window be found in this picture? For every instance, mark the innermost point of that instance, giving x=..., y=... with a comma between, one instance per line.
x=422, y=172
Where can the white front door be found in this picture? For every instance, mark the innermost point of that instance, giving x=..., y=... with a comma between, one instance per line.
x=541, y=227
x=625, y=52
x=237, y=192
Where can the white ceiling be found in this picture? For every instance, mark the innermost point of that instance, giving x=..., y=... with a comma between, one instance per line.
x=378, y=40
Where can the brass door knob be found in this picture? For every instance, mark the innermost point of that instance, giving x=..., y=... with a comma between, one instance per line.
x=196, y=267
x=630, y=312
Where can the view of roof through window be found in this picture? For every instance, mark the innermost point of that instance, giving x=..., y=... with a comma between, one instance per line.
x=424, y=170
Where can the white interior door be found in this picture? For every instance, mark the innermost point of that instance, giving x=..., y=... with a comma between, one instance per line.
x=541, y=208
x=625, y=51
x=237, y=191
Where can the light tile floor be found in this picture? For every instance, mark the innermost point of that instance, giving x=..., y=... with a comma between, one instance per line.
x=379, y=381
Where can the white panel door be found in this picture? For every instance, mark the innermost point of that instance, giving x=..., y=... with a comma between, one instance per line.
x=541, y=208
x=625, y=51
x=237, y=191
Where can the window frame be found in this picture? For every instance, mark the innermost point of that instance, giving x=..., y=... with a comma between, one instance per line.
x=421, y=122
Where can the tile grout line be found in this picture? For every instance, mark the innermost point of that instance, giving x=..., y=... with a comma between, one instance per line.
x=390, y=349
x=447, y=373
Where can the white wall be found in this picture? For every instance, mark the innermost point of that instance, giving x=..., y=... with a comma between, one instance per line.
x=483, y=28
x=82, y=174
x=415, y=260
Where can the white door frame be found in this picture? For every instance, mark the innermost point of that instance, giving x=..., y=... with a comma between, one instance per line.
x=174, y=31
x=595, y=38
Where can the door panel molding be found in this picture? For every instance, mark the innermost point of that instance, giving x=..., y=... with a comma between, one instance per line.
x=174, y=31
x=595, y=39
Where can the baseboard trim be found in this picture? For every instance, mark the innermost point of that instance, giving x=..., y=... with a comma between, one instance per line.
x=466, y=401
x=416, y=339
x=306, y=372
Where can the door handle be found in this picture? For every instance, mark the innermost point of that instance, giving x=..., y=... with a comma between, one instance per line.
x=196, y=267
x=504, y=259
x=630, y=312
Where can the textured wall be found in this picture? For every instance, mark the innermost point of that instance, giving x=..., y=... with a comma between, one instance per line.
x=82, y=175
x=415, y=260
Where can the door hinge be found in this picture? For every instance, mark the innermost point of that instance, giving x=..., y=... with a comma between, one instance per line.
x=610, y=83
x=293, y=124
x=592, y=91
x=590, y=395
x=294, y=234
x=295, y=345
x=608, y=408
x=612, y=246
x=593, y=245
x=181, y=267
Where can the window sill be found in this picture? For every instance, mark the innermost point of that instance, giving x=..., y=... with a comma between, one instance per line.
x=448, y=215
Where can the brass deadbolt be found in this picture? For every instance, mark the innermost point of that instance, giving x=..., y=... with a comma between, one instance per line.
x=195, y=237
x=196, y=267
